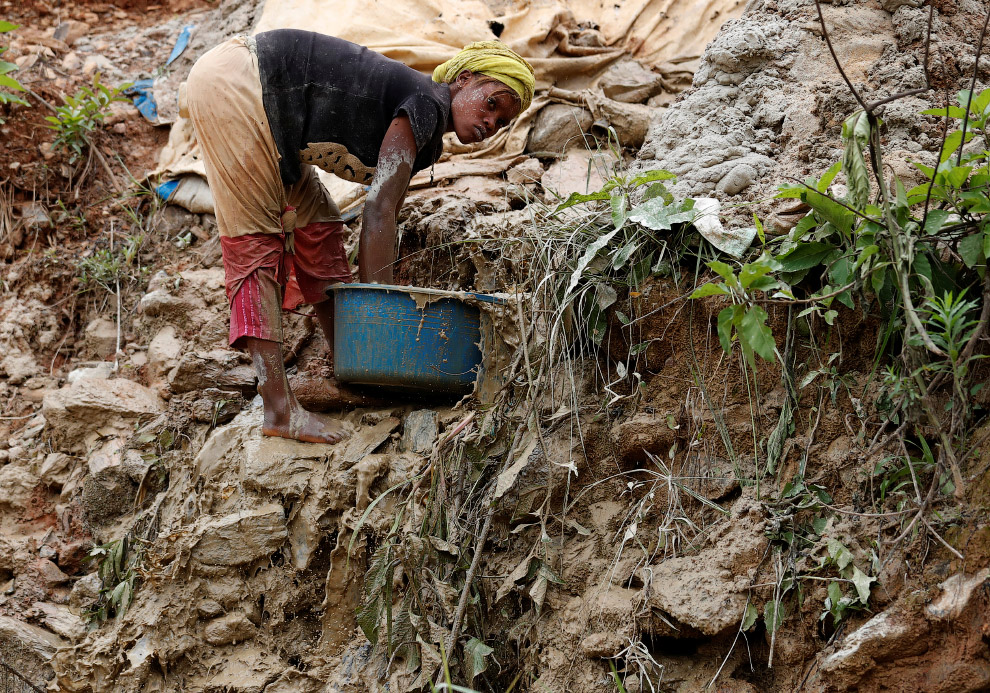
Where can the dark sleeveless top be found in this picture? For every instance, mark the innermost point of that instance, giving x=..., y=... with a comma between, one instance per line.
x=330, y=101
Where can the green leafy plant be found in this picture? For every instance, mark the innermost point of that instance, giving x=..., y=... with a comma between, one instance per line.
x=106, y=266
x=118, y=564
x=7, y=83
x=82, y=113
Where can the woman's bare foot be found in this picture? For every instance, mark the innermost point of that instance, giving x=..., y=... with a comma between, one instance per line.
x=284, y=416
x=306, y=426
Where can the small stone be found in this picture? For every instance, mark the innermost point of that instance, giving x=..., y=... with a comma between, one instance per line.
x=529, y=171
x=100, y=337
x=71, y=62
x=210, y=608
x=50, y=573
x=101, y=371
x=229, y=629
x=120, y=128
x=737, y=180
x=242, y=537
x=47, y=551
x=96, y=63
x=558, y=126
x=165, y=347
x=71, y=31
x=419, y=431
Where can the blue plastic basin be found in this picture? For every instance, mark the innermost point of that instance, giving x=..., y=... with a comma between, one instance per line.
x=382, y=337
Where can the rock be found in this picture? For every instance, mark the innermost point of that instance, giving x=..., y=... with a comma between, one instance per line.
x=71, y=31
x=419, y=431
x=558, y=126
x=61, y=621
x=97, y=63
x=28, y=649
x=49, y=573
x=529, y=171
x=79, y=413
x=367, y=440
x=888, y=635
x=737, y=179
x=643, y=433
x=218, y=407
x=101, y=371
x=599, y=645
x=164, y=349
x=85, y=591
x=228, y=629
x=107, y=494
x=55, y=469
x=280, y=466
x=631, y=121
x=957, y=594
x=242, y=537
x=71, y=62
x=35, y=216
x=18, y=367
x=17, y=485
x=210, y=608
x=161, y=303
x=893, y=5
x=628, y=81
x=100, y=338
x=202, y=370
x=578, y=171
x=708, y=591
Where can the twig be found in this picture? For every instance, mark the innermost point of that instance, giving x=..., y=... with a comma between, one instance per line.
x=969, y=101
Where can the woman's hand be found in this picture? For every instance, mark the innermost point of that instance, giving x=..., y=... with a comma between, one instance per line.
x=376, y=253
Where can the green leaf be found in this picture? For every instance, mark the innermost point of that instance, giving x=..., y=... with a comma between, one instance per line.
x=830, y=210
x=618, y=203
x=710, y=289
x=725, y=319
x=658, y=190
x=830, y=316
x=936, y=220
x=475, y=652
x=6, y=67
x=838, y=552
x=953, y=112
x=958, y=175
x=805, y=256
x=749, y=617
x=650, y=177
x=835, y=593
x=753, y=329
x=621, y=256
x=971, y=250
x=10, y=83
x=586, y=259
x=855, y=135
x=723, y=270
x=826, y=180
x=578, y=198
x=862, y=582
x=755, y=270
x=6, y=26
x=655, y=215
x=952, y=143
x=774, y=615
x=759, y=229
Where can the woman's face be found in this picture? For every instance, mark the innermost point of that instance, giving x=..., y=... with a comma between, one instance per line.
x=477, y=111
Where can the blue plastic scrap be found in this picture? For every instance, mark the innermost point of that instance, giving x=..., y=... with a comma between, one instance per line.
x=144, y=99
x=165, y=190
x=180, y=43
x=142, y=91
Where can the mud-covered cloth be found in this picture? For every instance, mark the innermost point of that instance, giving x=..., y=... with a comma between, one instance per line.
x=239, y=154
x=329, y=103
x=263, y=276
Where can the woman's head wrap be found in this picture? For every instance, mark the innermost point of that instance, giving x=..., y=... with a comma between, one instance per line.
x=493, y=59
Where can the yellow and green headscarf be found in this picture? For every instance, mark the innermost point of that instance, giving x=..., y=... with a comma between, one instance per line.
x=493, y=59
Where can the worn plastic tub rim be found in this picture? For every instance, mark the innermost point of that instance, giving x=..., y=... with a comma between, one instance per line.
x=439, y=293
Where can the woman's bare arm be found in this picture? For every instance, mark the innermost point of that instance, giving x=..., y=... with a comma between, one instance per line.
x=376, y=253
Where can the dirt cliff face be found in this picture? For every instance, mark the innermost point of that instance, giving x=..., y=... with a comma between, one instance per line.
x=627, y=531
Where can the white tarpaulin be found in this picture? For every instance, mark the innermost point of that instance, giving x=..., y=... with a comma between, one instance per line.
x=569, y=43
